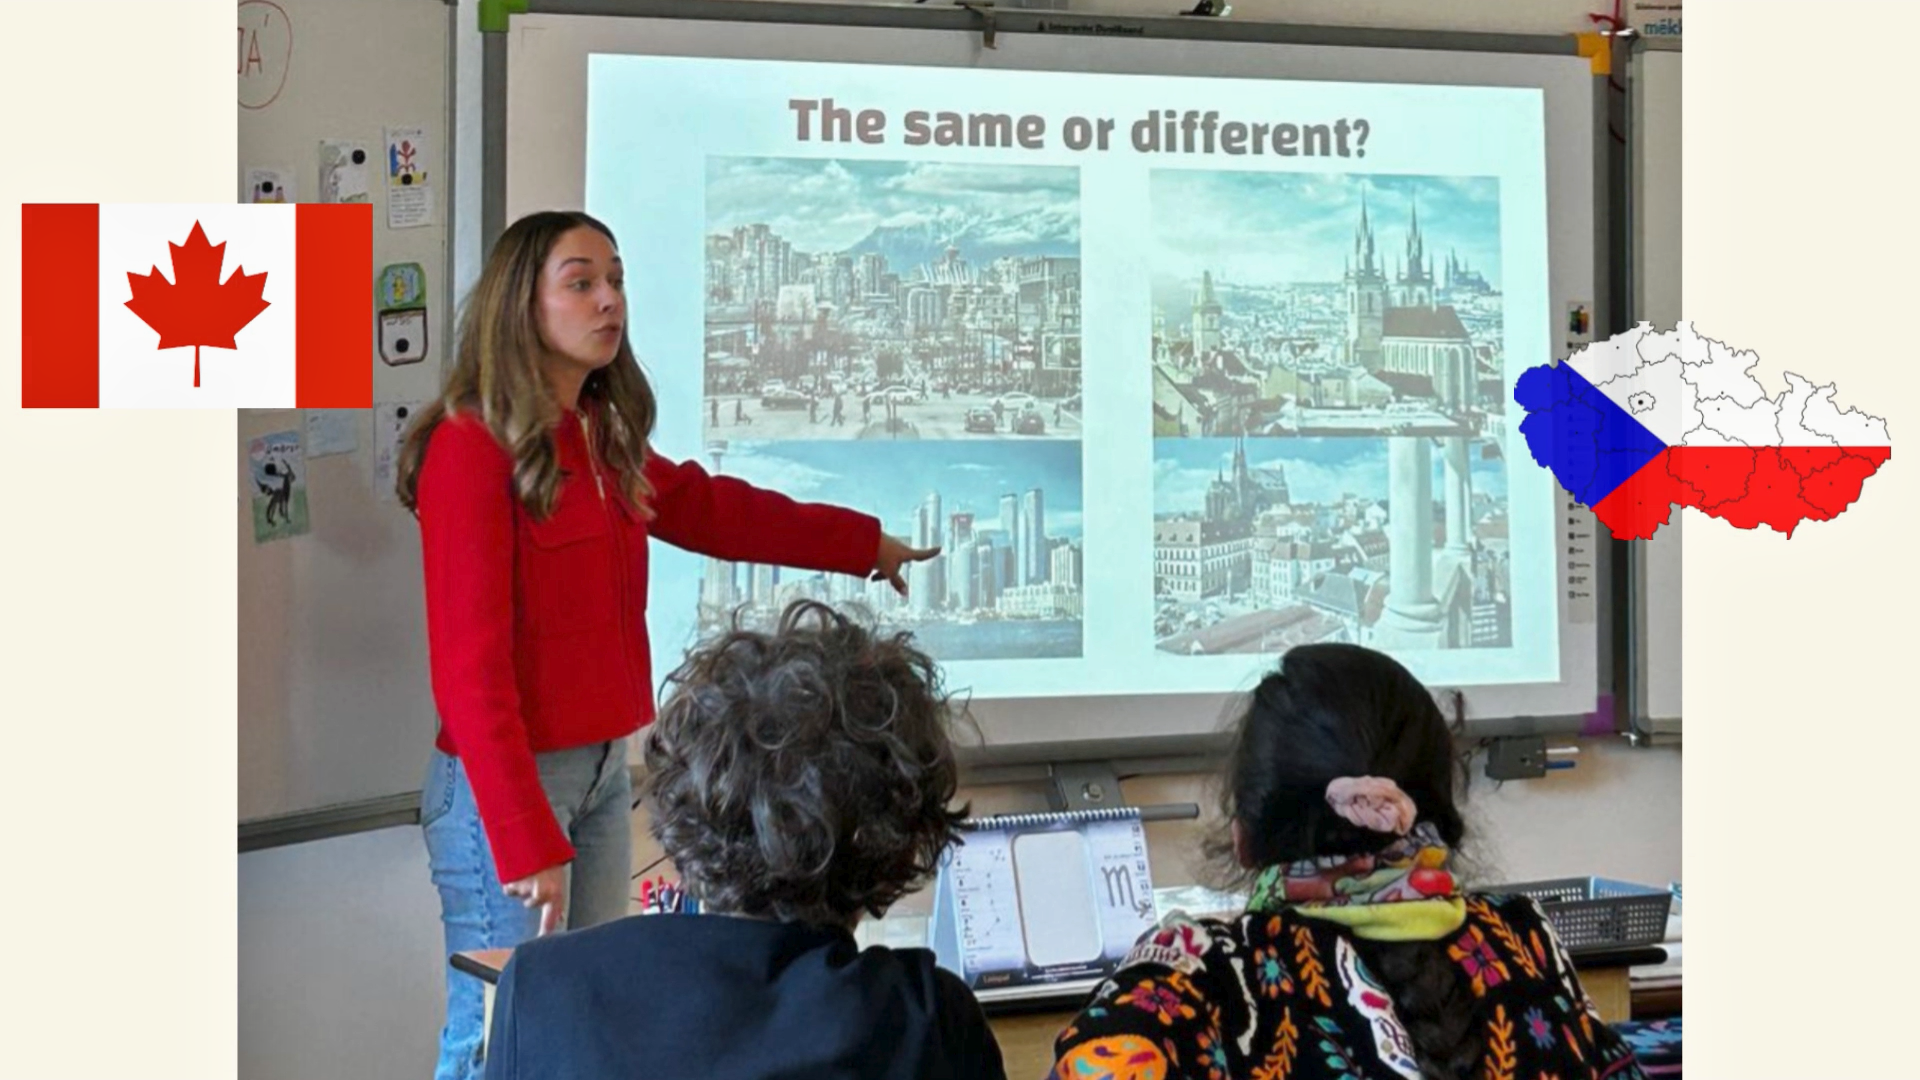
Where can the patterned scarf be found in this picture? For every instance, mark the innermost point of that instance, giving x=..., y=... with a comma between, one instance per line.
x=1406, y=892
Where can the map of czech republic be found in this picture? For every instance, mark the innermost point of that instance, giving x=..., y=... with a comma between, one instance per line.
x=1645, y=421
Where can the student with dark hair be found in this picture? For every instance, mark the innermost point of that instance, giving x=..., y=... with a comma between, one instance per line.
x=1359, y=956
x=799, y=780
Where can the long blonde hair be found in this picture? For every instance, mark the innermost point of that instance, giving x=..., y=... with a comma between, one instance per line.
x=496, y=374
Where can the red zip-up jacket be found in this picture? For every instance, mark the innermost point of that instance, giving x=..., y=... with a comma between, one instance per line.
x=537, y=629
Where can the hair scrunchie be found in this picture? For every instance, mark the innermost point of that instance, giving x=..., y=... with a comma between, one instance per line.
x=1372, y=802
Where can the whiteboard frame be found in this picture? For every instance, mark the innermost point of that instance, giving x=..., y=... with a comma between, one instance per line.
x=1654, y=683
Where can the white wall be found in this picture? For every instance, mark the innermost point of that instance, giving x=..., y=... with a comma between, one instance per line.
x=340, y=959
x=1616, y=815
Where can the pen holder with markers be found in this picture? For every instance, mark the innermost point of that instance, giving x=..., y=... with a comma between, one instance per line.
x=659, y=896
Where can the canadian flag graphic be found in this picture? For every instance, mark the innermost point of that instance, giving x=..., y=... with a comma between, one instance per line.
x=231, y=305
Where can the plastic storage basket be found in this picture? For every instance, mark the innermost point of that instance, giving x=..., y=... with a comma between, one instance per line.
x=1595, y=913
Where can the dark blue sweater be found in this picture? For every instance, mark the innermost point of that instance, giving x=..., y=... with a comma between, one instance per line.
x=664, y=996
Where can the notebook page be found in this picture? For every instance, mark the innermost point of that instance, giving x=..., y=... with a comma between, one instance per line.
x=1122, y=884
x=1056, y=898
x=986, y=903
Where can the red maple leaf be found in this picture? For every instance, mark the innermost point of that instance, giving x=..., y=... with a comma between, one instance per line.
x=196, y=308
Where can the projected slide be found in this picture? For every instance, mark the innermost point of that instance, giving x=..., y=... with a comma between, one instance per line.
x=1006, y=585
x=935, y=308
x=862, y=300
x=1297, y=304
x=1263, y=544
x=1318, y=323
x=1178, y=372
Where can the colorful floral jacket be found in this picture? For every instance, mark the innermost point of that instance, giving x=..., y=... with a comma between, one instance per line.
x=1282, y=996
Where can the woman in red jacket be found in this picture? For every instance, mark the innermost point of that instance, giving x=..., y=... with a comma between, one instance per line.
x=537, y=495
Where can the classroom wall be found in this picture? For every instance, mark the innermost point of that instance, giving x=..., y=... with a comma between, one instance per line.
x=341, y=960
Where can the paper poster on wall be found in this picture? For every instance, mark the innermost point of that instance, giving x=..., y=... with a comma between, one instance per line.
x=332, y=431
x=269, y=184
x=401, y=300
x=1656, y=18
x=403, y=337
x=1578, y=327
x=390, y=422
x=344, y=166
x=1580, y=320
x=278, y=468
x=409, y=197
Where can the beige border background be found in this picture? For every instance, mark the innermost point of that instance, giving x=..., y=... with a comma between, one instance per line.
x=117, y=597
x=1799, y=241
x=117, y=609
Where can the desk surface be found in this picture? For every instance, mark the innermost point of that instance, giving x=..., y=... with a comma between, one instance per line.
x=485, y=964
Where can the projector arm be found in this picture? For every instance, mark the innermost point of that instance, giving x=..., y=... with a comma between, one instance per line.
x=1093, y=785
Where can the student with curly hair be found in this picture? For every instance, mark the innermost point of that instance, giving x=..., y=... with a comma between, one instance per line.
x=1359, y=957
x=799, y=780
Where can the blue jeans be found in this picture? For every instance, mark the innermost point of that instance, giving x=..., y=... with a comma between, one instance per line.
x=591, y=795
